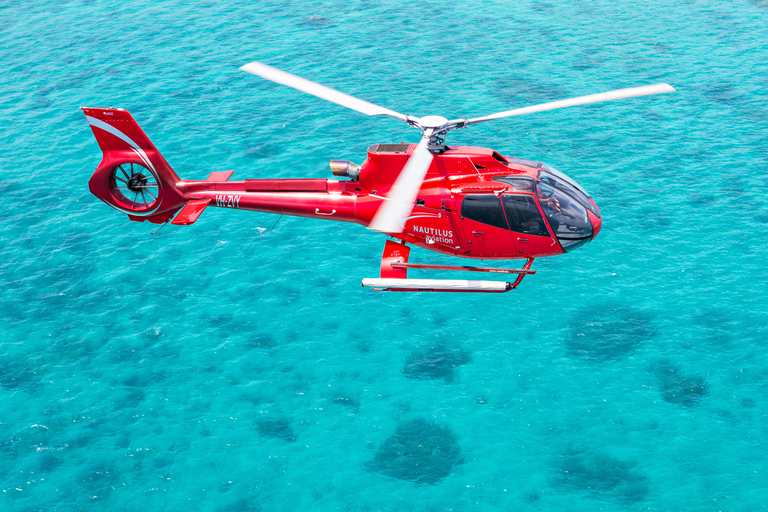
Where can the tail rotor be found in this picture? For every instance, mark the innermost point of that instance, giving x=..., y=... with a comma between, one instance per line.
x=135, y=185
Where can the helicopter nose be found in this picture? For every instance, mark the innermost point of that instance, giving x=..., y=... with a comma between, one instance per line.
x=597, y=223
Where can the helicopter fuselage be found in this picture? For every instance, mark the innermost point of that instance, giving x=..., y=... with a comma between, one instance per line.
x=461, y=201
x=473, y=202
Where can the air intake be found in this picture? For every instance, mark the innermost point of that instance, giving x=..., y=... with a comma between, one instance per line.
x=392, y=148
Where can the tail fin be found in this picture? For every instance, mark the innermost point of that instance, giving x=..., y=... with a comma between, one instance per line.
x=133, y=177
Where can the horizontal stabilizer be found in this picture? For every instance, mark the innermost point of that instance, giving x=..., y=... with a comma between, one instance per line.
x=219, y=176
x=191, y=211
x=437, y=285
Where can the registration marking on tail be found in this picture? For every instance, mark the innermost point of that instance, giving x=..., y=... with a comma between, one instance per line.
x=228, y=201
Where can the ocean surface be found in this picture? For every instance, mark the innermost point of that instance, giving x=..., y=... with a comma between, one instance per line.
x=224, y=367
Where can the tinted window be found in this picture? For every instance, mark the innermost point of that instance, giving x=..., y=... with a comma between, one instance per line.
x=523, y=215
x=566, y=216
x=485, y=208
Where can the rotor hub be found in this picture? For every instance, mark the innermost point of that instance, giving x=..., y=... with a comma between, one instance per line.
x=432, y=121
x=137, y=182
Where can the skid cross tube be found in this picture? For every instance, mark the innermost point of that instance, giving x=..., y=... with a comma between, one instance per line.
x=467, y=268
x=402, y=284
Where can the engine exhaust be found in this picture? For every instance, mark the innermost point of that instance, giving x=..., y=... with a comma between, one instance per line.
x=343, y=168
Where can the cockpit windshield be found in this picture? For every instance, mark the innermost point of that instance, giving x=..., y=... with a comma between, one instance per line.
x=564, y=177
x=567, y=217
x=558, y=180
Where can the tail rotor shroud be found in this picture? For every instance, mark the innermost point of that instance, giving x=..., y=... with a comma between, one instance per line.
x=133, y=177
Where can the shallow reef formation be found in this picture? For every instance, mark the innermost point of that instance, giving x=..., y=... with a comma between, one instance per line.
x=678, y=388
x=317, y=21
x=98, y=481
x=600, y=474
x=715, y=326
x=748, y=403
x=531, y=496
x=262, y=340
x=608, y=332
x=241, y=505
x=18, y=376
x=653, y=220
x=261, y=151
x=437, y=362
x=347, y=401
x=49, y=461
x=420, y=451
x=277, y=429
x=513, y=89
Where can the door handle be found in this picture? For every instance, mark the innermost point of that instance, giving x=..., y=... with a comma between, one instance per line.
x=476, y=233
x=317, y=211
x=523, y=239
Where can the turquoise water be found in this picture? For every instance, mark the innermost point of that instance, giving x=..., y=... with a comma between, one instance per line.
x=222, y=367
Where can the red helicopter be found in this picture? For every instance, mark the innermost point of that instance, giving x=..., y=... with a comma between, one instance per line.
x=463, y=201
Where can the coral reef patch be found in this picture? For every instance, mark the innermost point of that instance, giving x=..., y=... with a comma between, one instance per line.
x=277, y=429
x=437, y=362
x=420, y=451
x=601, y=475
x=678, y=388
x=608, y=332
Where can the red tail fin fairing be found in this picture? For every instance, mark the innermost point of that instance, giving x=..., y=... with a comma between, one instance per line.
x=133, y=177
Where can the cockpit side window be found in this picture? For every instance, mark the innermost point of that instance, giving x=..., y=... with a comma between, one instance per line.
x=485, y=208
x=523, y=215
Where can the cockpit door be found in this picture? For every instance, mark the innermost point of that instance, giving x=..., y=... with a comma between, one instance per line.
x=528, y=229
x=485, y=228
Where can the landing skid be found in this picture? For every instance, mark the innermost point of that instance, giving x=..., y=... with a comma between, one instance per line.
x=394, y=275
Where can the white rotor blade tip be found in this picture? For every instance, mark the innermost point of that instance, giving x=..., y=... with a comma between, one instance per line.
x=399, y=204
x=618, y=94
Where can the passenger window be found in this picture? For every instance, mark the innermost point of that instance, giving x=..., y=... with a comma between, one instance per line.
x=523, y=215
x=485, y=208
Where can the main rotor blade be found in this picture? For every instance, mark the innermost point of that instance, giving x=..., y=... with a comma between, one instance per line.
x=618, y=94
x=321, y=91
x=399, y=203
